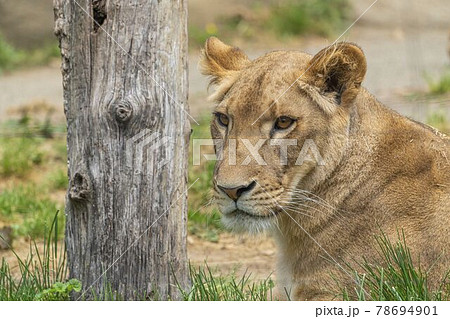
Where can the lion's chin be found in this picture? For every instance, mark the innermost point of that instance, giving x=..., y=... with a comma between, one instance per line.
x=240, y=221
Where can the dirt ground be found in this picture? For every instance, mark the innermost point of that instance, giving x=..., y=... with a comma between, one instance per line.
x=403, y=40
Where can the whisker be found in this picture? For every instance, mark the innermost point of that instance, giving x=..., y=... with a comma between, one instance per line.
x=298, y=212
x=295, y=204
x=304, y=195
x=319, y=199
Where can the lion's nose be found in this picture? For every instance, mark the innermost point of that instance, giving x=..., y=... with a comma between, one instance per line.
x=236, y=192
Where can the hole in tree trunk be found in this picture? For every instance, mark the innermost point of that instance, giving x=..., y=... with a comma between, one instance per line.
x=99, y=13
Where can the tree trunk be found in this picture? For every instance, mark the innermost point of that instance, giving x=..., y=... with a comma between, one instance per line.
x=124, y=66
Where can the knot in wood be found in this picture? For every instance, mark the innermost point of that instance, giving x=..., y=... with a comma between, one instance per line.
x=80, y=188
x=123, y=111
x=60, y=27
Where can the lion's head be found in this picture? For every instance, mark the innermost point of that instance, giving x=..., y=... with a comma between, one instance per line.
x=280, y=121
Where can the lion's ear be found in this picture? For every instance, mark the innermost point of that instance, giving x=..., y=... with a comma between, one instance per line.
x=222, y=63
x=338, y=69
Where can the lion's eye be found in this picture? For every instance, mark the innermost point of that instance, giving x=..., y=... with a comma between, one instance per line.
x=222, y=119
x=283, y=122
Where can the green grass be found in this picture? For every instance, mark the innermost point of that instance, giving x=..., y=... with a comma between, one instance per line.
x=29, y=211
x=21, y=142
x=319, y=17
x=396, y=277
x=441, y=85
x=439, y=120
x=19, y=155
x=209, y=287
x=206, y=226
x=12, y=58
x=57, y=179
x=24, y=197
x=206, y=285
x=41, y=273
x=9, y=57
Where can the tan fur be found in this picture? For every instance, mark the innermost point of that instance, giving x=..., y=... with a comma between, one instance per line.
x=222, y=63
x=382, y=172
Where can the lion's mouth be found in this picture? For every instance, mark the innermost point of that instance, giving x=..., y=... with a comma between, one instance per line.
x=239, y=212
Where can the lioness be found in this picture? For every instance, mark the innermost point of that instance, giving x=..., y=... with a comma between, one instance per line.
x=375, y=170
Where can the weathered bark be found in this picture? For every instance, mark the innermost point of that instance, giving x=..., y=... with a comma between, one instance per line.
x=124, y=72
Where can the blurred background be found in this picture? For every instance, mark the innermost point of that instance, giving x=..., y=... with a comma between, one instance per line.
x=407, y=47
